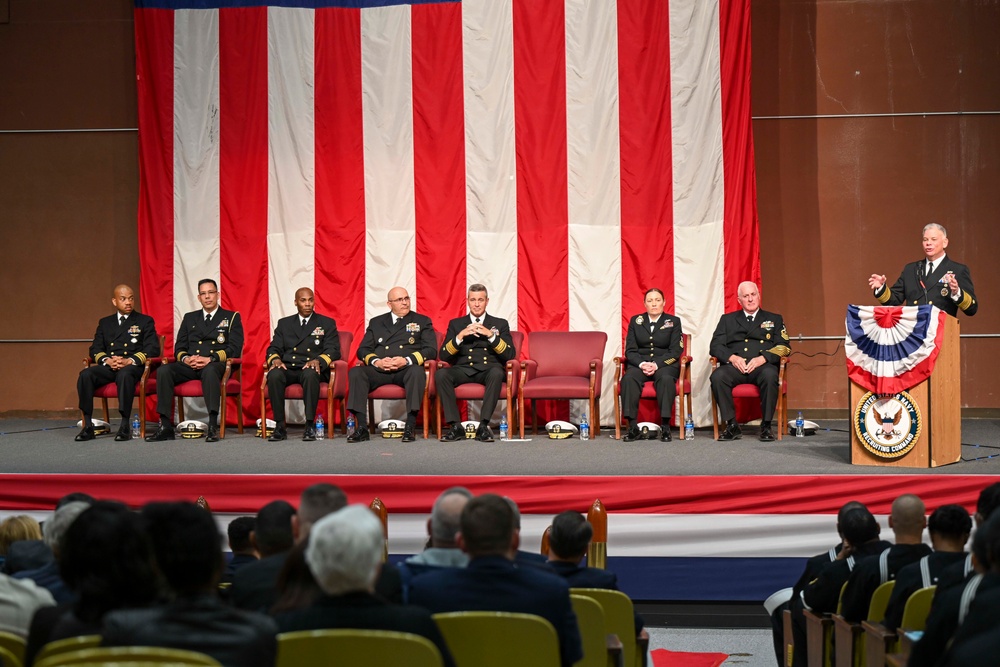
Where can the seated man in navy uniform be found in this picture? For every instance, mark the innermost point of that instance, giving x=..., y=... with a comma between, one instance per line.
x=205, y=340
x=749, y=344
x=301, y=351
x=122, y=343
x=937, y=279
x=478, y=346
x=393, y=351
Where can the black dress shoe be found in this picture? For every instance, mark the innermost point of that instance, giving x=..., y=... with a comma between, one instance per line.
x=309, y=435
x=85, y=434
x=409, y=434
x=278, y=434
x=484, y=434
x=124, y=433
x=631, y=434
x=665, y=435
x=732, y=432
x=360, y=435
x=212, y=434
x=766, y=434
x=454, y=433
x=162, y=433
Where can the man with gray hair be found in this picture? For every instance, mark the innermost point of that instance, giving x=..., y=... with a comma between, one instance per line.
x=442, y=527
x=48, y=576
x=344, y=555
x=936, y=279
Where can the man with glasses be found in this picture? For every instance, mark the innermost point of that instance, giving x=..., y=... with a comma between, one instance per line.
x=393, y=351
x=206, y=339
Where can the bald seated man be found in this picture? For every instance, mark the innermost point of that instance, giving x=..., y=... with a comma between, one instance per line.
x=302, y=350
x=122, y=344
x=393, y=351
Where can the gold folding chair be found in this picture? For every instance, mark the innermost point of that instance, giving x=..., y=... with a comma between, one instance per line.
x=620, y=616
x=499, y=639
x=65, y=645
x=351, y=647
x=121, y=655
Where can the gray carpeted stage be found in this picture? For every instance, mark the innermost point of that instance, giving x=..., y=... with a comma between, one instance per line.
x=47, y=446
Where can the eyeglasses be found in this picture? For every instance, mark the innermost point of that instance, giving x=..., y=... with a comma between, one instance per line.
x=207, y=293
x=400, y=299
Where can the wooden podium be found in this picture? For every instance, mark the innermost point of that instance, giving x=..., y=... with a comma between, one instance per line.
x=939, y=402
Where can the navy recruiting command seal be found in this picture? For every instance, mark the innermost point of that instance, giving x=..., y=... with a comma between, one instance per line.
x=888, y=425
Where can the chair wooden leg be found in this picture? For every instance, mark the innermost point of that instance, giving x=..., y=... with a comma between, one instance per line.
x=596, y=416
x=142, y=413
x=263, y=414
x=715, y=417
x=180, y=409
x=239, y=413
x=343, y=416
x=371, y=415
x=329, y=414
x=437, y=414
x=534, y=418
x=520, y=415
x=681, y=415
x=618, y=416
x=222, y=416
x=782, y=413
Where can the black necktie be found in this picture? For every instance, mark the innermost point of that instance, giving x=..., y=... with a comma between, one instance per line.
x=208, y=318
x=121, y=320
x=477, y=320
x=303, y=324
x=750, y=319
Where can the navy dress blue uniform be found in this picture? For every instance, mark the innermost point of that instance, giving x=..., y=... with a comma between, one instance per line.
x=475, y=359
x=219, y=337
x=909, y=288
x=412, y=337
x=660, y=342
x=866, y=577
x=295, y=344
x=764, y=336
x=134, y=337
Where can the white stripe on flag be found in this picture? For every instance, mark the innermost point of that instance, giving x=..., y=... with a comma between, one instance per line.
x=696, y=114
x=491, y=189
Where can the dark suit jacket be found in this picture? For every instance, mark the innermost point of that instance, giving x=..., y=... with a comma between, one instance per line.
x=295, y=346
x=823, y=593
x=907, y=290
x=590, y=577
x=136, y=339
x=254, y=584
x=866, y=577
x=220, y=339
x=766, y=336
x=364, y=611
x=412, y=338
x=978, y=651
x=909, y=580
x=663, y=346
x=494, y=583
x=478, y=352
x=813, y=567
x=942, y=621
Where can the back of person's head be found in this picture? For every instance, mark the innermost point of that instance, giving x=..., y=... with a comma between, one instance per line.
x=446, y=515
x=859, y=527
x=844, y=509
x=107, y=561
x=62, y=518
x=989, y=500
x=908, y=517
x=951, y=522
x=986, y=543
x=570, y=535
x=316, y=502
x=516, y=510
x=345, y=550
x=16, y=529
x=487, y=525
x=273, y=530
x=186, y=544
x=238, y=531
x=76, y=496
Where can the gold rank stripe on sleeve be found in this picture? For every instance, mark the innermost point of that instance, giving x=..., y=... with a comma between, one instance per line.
x=222, y=355
x=326, y=358
x=784, y=334
x=100, y=355
x=884, y=296
x=419, y=357
x=369, y=358
x=670, y=361
x=450, y=346
x=140, y=357
x=966, y=301
x=500, y=346
x=780, y=350
x=272, y=358
x=180, y=355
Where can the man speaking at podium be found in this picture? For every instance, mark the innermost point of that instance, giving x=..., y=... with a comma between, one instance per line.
x=936, y=279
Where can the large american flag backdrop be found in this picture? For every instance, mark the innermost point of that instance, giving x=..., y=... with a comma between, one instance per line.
x=567, y=153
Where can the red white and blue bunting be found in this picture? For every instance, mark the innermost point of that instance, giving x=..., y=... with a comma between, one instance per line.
x=892, y=348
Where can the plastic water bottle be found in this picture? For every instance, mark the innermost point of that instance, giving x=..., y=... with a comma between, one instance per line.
x=504, y=428
x=584, y=428
x=800, y=427
x=351, y=425
x=689, y=427
x=136, y=426
x=320, y=428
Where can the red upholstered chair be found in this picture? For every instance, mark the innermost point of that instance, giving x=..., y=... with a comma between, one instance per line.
x=230, y=385
x=474, y=392
x=648, y=391
x=338, y=378
x=145, y=386
x=392, y=392
x=751, y=391
x=562, y=365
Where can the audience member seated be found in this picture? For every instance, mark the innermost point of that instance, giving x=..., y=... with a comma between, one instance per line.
x=949, y=528
x=32, y=554
x=956, y=606
x=254, y=584
x=238, y=532
x=526, y=558
x=47, y=576
x=492, y=582
x=107, y=562
x=344, y=554
x=907, y=521
x=568, y=541
x=188, y=551
x=442, y=527
x=17, y=529
x=959, y=573
x=18, y=602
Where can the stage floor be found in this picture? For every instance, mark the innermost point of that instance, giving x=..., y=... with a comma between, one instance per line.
x=47, y=446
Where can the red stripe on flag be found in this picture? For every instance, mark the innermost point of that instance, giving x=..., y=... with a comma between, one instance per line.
x=340, y=177
x=740, y=229
x=154, y=64
x=439, y=160
x=243, y=185
x=646, y=153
